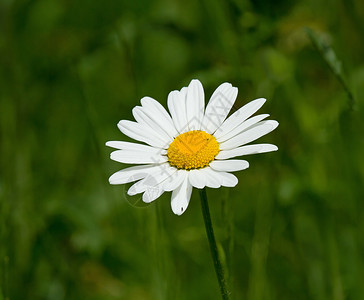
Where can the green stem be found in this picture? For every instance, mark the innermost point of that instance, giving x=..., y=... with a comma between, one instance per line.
x=213, y=247
x=329, y=57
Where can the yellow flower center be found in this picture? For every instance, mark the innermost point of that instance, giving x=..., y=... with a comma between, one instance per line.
x=192, y=150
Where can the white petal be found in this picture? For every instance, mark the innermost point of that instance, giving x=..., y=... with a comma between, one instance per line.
x=196, y=179
x=143, y=118
x=137, y=157
x=246, y=150
x=157, y=112
x=175, y=180
x=249, y=135
x=212, y=180
x=177, y=108
x=195, y=104
x=218, y=107
x=243, y=126
x=135, y=147
x=132, y=174
x=229, y=165
x=239, y=117
x=153, y=180
x=152, y=193
x=181, y=197
x=227, y=179
x=141, y=133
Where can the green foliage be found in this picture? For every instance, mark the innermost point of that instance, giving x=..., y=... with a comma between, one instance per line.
x=70, y=70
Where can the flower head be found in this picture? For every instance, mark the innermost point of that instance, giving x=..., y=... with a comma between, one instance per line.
x=190, y=147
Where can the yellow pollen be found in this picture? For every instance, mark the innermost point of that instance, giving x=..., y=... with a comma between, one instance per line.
x=192, y=150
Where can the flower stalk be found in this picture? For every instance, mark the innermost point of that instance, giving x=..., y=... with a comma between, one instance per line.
x=213, y=246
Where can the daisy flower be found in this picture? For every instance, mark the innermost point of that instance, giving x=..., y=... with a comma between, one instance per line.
x=191, y=146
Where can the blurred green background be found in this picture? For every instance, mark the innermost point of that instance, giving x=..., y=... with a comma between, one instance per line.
x=293, y=228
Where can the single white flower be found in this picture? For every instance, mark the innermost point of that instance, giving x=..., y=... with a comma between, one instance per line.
x=190, y=147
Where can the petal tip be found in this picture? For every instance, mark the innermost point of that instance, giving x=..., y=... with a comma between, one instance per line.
x=178, y=210
x=260, y=101
x=113, y=155
x=131, y=192
x=146, y=198
x=274, y=124
x=195, y=81
x=195, y=84
x=111, y=180
x=144, y=101
x=121, y=125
